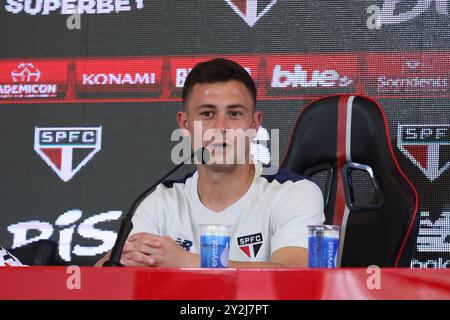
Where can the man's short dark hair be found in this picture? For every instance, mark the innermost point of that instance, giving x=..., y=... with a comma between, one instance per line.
x=218, y=70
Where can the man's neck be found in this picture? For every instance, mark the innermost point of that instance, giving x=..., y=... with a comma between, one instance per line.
x=218, y=190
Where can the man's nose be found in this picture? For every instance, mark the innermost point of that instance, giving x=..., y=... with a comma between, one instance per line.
x=221, y=123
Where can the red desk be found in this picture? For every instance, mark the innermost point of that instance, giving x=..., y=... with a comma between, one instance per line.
x=252, y=284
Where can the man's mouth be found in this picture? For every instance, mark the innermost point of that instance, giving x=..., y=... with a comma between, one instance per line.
x=220, y=145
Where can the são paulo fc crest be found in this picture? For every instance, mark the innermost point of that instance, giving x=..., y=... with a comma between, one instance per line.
x=251, y=10
x=67, y=150
x=250, y=244
x=427, y=146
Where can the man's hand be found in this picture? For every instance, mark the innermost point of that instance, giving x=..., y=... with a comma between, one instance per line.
x=148, y=250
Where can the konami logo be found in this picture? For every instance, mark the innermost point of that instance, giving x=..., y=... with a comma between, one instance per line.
x=119, y=77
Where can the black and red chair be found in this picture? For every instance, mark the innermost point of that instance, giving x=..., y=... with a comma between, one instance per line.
x=342, y=143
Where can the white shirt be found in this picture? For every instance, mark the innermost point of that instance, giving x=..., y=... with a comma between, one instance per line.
x=273, y=213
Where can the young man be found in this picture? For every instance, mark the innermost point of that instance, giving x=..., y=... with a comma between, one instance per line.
x=268, y=214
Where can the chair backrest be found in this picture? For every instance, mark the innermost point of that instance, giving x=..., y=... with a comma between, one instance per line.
x=39, y=253
x=342, y=143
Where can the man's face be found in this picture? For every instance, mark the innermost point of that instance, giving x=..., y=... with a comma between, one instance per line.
x=223, y=114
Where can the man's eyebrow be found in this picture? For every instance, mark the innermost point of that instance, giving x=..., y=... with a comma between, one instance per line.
x=236, y=106
x=212, y=106
x=206, y=106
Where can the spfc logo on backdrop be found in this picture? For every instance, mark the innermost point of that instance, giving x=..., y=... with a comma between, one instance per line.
x=250, y=244
x=251, y=10
x=67, y=150
x=427, y=146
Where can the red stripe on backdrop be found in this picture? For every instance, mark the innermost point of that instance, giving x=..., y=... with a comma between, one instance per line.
x=341, y=160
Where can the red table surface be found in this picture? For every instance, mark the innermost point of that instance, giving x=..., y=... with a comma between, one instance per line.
x=217, y=284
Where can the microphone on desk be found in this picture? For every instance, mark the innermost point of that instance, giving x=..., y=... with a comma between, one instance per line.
x=126, y=225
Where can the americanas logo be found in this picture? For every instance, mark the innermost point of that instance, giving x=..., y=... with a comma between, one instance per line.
x=67, y=150
x=427, y=146
x=251, y=10
x=250, y=244
x=308, y=73
x=110, y=78
x=27, y=80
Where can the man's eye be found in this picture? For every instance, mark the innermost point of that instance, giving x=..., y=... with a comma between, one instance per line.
x=235, y=114
x=207, y=114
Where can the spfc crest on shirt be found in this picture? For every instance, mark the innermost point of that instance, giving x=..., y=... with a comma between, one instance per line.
x=250, y=244
x=251, y=10
x=427, y=146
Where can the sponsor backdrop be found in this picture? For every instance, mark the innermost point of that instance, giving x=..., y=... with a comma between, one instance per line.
x=89, y=91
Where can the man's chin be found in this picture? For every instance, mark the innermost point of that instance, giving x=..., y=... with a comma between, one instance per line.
x=224, y=166
x=219, y=164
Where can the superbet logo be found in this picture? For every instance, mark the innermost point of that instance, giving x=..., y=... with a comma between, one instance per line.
x=118, y=76
x=427, y=146
x=69, y=7
x=299, y=77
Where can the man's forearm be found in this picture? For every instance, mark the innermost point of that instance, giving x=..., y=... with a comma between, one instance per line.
x=194, y=262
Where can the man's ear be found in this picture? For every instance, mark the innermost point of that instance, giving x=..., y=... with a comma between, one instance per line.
x=257, y=119
x=182, y=120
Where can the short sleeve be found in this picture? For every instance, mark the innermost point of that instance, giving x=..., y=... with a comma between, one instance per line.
x=147, y=216
x=298, y=205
